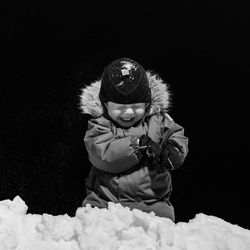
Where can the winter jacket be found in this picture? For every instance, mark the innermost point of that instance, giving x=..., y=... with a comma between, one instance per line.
x=118, y=174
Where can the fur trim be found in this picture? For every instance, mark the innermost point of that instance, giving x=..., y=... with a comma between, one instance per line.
x=90, y=102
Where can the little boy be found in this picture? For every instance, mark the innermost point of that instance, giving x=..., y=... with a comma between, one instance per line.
x=131, y=141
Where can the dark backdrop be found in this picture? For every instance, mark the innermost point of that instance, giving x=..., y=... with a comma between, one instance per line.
x=49, y=52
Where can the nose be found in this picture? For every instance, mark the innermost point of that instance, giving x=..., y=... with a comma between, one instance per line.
x=128, y=113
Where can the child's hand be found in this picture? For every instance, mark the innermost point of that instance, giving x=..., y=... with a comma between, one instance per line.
x=149, y=147
x=171, y=157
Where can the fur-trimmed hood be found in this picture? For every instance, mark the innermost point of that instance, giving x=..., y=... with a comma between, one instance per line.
x=91, y=104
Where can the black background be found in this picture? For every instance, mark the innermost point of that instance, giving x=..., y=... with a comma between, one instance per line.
x=49, y=52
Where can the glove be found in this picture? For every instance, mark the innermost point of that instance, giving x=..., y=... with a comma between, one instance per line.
x=150, y=150
x=171, y=157
x=149, y=147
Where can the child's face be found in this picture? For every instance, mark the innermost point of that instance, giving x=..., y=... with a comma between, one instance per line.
x=126, y=115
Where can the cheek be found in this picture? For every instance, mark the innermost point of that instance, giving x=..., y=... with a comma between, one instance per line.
x=140, y=112
x=114, y=113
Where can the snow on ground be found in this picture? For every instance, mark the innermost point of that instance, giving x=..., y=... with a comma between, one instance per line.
x=113, y=228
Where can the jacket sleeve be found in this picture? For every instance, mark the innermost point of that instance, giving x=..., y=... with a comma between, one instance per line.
x=108, y=151
x=174, y=142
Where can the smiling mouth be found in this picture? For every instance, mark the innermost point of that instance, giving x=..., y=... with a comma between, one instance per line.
x=127, y=120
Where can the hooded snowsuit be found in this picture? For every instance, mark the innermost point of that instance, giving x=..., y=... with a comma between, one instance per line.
x=117, y=173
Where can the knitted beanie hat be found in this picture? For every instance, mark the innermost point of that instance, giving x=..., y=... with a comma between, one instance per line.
x=124, y=81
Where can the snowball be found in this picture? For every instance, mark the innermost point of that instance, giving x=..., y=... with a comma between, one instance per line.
x=115, y=228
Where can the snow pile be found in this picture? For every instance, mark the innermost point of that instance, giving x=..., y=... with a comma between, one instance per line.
x=113, y=228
